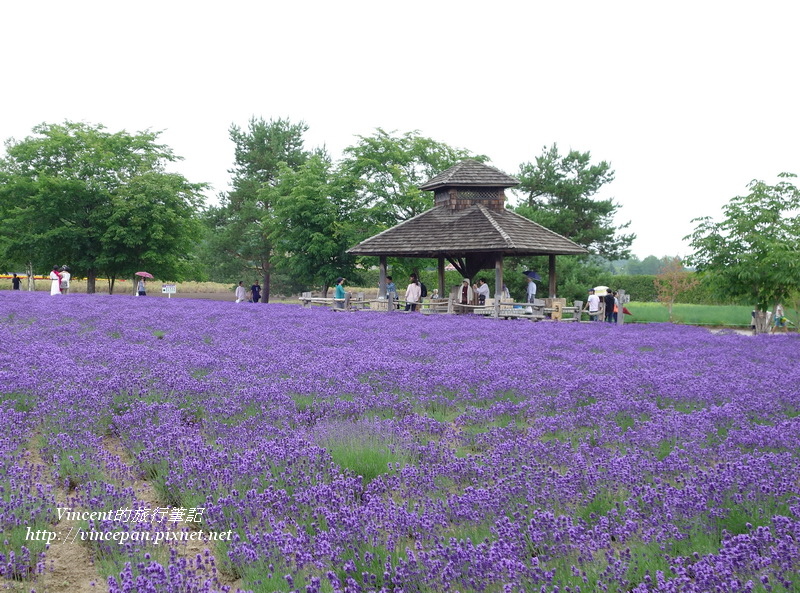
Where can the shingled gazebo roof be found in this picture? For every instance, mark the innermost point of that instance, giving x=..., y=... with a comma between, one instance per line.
x=470, y=173
x=469, y=218
x=439, y=232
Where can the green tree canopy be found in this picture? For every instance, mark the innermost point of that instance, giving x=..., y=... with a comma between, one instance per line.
x=239, y=227
x=313, y=221
x=558, y=194
x=391, y=168
x=101, y=202
x=755, y=250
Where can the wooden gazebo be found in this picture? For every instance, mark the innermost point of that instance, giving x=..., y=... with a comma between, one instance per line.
x=470, y=227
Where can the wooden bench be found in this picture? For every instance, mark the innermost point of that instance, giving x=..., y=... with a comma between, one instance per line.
x=536, y=311
x=511, y=310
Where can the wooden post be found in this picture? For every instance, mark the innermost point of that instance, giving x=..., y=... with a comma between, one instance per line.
x=498, y=284
x=30, y=276
x=440, y=269
x=578, y=305
x=551, y=289
x=382, y=277
x=621, y=307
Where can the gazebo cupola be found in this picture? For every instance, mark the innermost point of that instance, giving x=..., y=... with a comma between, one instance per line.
x=470, y=183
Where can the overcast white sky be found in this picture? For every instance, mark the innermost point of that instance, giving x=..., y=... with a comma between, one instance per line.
x=688, y=100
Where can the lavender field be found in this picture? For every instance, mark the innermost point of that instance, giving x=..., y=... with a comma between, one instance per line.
x=316, y=451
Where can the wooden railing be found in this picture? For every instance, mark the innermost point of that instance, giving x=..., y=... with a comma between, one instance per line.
x=538, y=310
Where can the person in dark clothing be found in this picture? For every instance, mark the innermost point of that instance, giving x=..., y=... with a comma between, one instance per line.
x=255, y=291
x=608, y=300
x=15, y=282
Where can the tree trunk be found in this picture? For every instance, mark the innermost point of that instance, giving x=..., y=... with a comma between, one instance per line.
x=91, y=280
x=760, y=322
x=265, y=296
x=29, y=274
x=111, y=282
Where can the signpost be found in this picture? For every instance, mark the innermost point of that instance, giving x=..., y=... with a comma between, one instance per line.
x=168, y=289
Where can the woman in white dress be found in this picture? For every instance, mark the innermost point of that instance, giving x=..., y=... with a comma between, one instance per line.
x=55, y=281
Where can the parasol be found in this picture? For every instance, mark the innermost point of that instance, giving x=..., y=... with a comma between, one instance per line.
x=532, y=274
x=144, y=274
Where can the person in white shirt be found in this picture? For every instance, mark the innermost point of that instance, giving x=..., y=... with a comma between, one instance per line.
x=413, y=293
x=241, y=293
x=531, y=290
x=593, y=305
x=55, y=281
x=482, y=289
x=65, y=276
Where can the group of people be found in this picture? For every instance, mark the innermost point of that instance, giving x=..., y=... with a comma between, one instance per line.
x=606, y=306
x=475, y=294
x=251, y=296
x=59, y=280
x=415, y=292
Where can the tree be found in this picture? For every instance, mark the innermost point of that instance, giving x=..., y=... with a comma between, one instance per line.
x=651, y=265
x=313, y=223
x=673, y=281
x=391, y=168
x=102, y=202
x=755, y=251
x=241, y=222
x=152, y=225
x=558, y=194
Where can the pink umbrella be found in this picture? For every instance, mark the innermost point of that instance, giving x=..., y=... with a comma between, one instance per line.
x=144, y=274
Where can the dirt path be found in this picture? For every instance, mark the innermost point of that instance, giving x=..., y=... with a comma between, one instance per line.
x=69, y=567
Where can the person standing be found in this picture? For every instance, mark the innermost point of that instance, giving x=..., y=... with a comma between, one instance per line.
x=141, y=288
x=465, y=293
x=482, y=289
x=608, y=300
x=240, y=293
x=413, y=293
x=780, y=320
x=55, y=281
x=593, y=305
x=65, y=278
x=255, y=292
x=339, y=294
x=15, y=282
x=531, y=290
x=391, y=291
